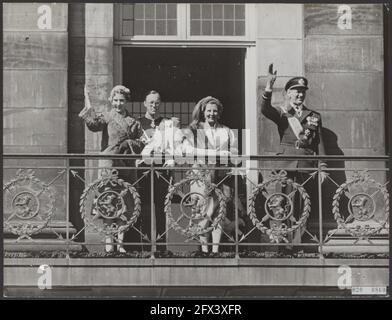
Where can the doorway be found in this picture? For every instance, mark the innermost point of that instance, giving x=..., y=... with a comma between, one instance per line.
x=185, y=75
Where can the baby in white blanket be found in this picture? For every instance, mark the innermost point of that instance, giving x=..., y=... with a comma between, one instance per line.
x=168, y=140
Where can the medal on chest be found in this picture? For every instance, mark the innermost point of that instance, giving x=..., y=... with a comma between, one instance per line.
x=312, y=121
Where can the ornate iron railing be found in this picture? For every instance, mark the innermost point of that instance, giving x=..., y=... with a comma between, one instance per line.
x=347, y=213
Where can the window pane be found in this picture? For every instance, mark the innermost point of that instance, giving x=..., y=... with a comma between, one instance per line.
x=161, y=11
x=161, y=27
x=139, y=11
x=139, y=27
x=172, y=11
x=207, y=28
x=240, y=28
x=207, y=19
x=127, y=28
x=149, y=11
x=206, y=11
x=184, y=118
x=217, y=11
x=171, y=27
x=195, y=28
x=218, y=28
x=224, y=18
x=195, y=11
x=229, y=11
x=150, y=27
x=228, y=28
x=240, y=12
x=152, y=19
x=127, y=11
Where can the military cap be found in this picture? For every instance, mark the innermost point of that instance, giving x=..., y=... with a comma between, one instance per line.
x=297, y=82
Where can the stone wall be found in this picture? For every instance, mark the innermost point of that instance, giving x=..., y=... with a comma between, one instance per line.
x=35, y=97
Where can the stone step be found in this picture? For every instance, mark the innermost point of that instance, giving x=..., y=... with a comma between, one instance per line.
x=39, y=245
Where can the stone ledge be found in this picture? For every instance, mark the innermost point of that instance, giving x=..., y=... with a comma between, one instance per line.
x=196, y=272
x=175, y=262
x=181, y=292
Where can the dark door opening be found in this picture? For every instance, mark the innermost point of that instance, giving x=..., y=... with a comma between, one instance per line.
x=185, y=75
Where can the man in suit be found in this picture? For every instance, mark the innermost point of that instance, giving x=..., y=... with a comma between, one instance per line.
x=300, y=132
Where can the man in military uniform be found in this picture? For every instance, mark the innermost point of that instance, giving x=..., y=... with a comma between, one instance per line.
x=149, y=122
x=300, y=132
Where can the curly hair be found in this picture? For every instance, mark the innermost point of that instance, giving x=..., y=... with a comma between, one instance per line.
x=120, y=89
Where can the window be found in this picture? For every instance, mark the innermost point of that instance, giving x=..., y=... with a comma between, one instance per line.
x=195, y=21
x=145, y=19
x=217, y=19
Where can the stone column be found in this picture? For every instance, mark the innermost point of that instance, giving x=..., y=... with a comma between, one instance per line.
x=35, y=66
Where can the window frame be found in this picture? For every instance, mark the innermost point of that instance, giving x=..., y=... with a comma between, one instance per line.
x=183, y=28
x=118, y=22
x=218, y=37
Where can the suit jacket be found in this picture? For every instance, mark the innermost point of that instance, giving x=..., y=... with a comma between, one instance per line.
x=308, y=141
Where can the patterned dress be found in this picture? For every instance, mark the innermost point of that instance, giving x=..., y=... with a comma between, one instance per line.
x=124, y=133
x=212, y=139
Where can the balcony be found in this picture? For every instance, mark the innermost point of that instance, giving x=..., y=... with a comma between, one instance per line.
x=65, y=212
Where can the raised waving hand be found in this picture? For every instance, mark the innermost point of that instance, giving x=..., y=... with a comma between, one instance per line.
x=271, y=78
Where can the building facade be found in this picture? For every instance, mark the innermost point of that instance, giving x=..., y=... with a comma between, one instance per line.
x=188, y=51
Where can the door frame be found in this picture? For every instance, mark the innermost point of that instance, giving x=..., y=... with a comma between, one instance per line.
x=250, y=76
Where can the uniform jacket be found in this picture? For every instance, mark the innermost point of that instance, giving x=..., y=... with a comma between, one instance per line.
x=147, y=126
x=310, y=141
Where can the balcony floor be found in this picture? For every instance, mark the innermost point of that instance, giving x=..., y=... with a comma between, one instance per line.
x=193, y=277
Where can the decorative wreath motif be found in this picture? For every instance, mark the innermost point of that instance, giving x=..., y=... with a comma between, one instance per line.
x=193, y=205
x=109, y=204
x=279, y=209
x=361, y=207
x=32, y=204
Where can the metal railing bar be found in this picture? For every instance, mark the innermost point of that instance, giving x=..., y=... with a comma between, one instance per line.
x=181, y=168
x=266, y=244
x=67, y=206
x=333, y=181
x=312, y=169
x=190, y=158
x=152, y=212
x=320, y=208
x=236, y=226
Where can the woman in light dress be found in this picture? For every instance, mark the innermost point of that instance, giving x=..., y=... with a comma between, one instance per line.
x=124, y=137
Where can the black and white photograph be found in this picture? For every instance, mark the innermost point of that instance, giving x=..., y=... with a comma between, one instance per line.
x=195, y=151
